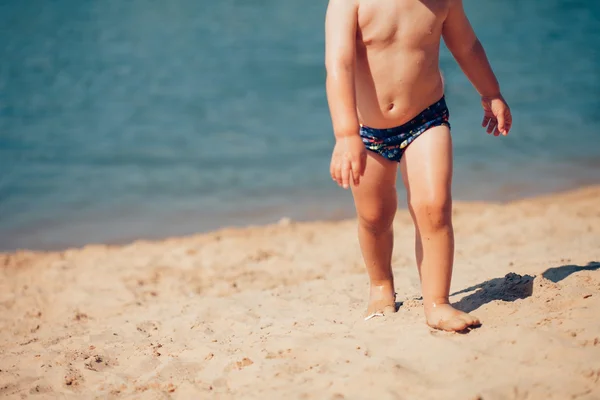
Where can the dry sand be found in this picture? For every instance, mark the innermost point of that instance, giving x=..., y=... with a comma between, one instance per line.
x=276, y=312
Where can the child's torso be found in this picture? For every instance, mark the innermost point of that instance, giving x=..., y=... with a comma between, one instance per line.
x=397, y=72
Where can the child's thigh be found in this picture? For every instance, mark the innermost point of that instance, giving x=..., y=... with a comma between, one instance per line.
x=426, y=166
x=376, y=193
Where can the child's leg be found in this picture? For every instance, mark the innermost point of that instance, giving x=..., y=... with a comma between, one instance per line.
x=376, y=202
x=427, y=173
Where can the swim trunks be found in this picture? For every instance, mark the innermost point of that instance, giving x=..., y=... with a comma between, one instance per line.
x=392, y=142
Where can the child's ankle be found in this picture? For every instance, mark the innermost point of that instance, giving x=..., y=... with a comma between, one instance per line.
x=383, y=283
x=383, y=288
x=433, y=302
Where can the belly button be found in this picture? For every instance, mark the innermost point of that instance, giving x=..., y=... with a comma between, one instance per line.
x=390, y=106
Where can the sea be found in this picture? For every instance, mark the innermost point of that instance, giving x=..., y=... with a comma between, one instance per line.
x=144, y=119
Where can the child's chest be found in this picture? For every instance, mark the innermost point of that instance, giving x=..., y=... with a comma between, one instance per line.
x=409, y=22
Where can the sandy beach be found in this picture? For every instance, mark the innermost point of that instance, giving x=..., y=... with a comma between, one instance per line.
x=276, y=312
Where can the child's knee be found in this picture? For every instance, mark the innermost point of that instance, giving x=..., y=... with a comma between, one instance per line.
x=433, y=213
x=377, y=221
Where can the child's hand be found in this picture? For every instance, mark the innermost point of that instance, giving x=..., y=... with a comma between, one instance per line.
x=348, y=160
x=496, y=115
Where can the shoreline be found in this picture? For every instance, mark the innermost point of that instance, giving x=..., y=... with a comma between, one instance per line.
x=343, y=215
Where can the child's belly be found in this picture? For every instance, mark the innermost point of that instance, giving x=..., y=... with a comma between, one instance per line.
x=394, y=86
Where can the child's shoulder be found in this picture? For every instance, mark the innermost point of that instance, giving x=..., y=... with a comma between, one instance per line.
x=342, y=6
x=344, y=3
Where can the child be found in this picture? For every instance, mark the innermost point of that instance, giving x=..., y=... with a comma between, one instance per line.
x=387, y=105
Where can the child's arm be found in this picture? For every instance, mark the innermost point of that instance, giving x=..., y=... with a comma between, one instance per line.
x=469, y=53
x=340, y=49
x=348, y=159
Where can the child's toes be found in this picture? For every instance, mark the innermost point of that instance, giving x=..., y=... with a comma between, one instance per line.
x=452, y=324
x=471, y=320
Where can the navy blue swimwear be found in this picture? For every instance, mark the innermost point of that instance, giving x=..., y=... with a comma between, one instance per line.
x=392, y=142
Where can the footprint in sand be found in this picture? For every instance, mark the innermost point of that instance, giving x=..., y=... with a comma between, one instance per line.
x=99, y=363
x=73, y=377
x=239, y=365
x=41, y=388
x=148, y=327
x=280, y=354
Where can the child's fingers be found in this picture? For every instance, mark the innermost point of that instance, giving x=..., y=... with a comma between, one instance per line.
x=338, y=174
x=363, y=163
x=335, y=172
x=346, y=174
x=501, y=125
x=486, y=121
x=491, y=126
x=356, y=173
x=332, y=170
x=507, y=122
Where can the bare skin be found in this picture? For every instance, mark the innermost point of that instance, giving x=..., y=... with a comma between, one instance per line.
x=382, y=70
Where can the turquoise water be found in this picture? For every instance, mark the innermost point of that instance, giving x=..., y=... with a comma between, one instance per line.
x=144, y=119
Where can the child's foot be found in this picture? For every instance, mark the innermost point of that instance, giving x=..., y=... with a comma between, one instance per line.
x=382, y=300
x=447, y=318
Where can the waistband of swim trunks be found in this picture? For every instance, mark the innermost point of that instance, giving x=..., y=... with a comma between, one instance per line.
x=436, y=110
